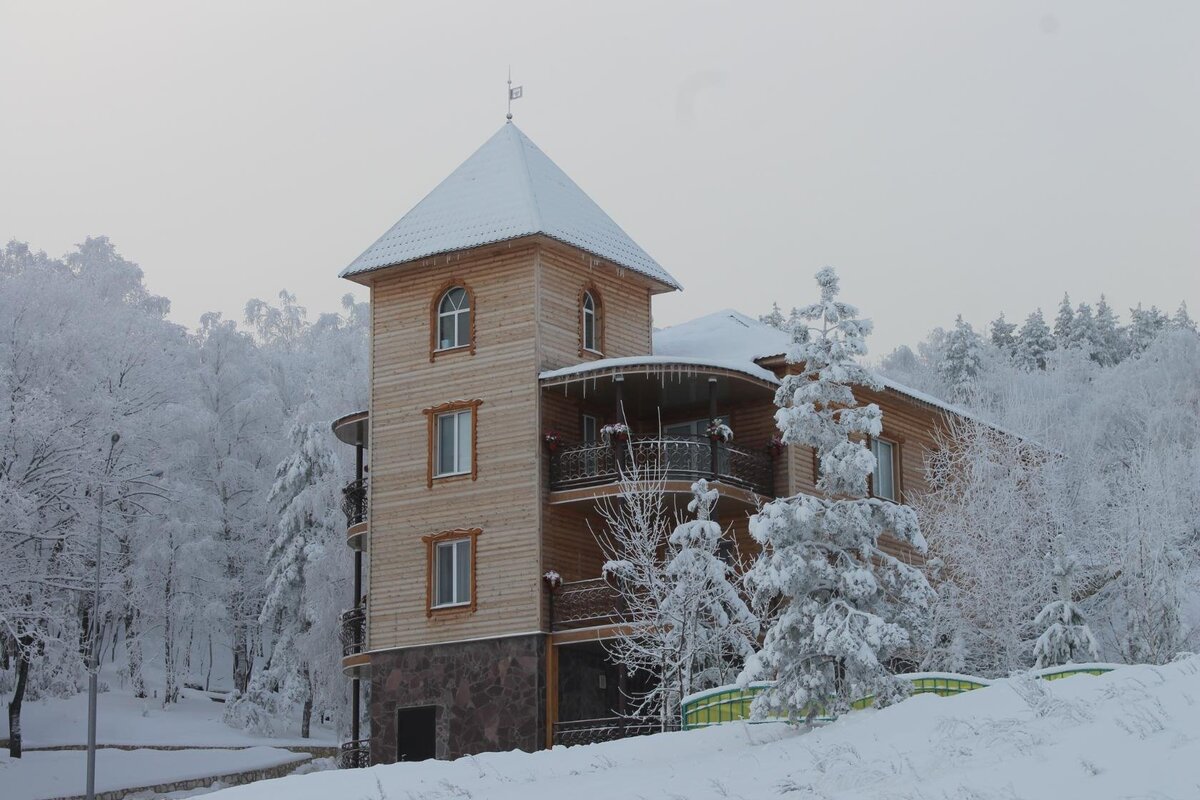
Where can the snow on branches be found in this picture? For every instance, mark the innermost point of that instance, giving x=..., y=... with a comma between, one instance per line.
x=840, y=607
x=1066, y=637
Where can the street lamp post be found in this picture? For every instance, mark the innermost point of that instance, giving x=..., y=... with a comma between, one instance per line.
x=95, y=645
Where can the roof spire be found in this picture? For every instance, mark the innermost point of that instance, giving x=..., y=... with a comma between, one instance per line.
x=513, y=94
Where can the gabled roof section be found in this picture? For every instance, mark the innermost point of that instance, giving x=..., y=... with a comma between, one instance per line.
x=508, y=188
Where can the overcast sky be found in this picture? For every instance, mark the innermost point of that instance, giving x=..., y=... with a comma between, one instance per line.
x=946, y=157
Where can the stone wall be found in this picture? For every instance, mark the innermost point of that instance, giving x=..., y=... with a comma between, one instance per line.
x=490, y=695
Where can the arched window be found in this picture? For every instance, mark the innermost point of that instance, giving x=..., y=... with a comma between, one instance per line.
x=454, y=319
x=591, y=323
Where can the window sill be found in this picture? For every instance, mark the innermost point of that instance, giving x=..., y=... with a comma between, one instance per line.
x=451, y=606
x=593, y=352
x=449, y=475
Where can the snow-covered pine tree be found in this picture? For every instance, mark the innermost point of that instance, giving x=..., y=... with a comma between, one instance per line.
x=962, y=361
x=840, y=607
x=1144, y=327
x=306, y=503
x=1064, y=321
x=775, y=319
x=1004, y=335
x=1066, y=638
x=715, y=627
x=1084, y=335
x=1034, y=342
x=1112, y=346
x=1182, y=320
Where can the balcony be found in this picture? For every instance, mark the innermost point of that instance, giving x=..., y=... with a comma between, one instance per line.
x=355, y=754
x=672, y=458
x=353, y=634
x=585, y=604
x=354, y=505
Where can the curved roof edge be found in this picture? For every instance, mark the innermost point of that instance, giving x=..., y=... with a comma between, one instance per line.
x=660, y=363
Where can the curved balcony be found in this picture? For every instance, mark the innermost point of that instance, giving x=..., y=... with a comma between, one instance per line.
x=352, y=429
x=355, y=754
x=678, y=459
x=585, y=604
x=354, y=505
x=355, y=661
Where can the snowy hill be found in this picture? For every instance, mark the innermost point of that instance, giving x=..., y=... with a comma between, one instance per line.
x=1134, y=732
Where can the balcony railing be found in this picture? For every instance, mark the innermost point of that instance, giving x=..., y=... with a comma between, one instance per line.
x=583, y=604
x=354, y=631
x=354, y=501
x=591, y=731
x=673, y=457
x=355, y=754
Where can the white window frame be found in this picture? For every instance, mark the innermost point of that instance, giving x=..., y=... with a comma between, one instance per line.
x=439, y=470
x=454, y=313
x=891, y=446
x=594, y=345
x=457, y=593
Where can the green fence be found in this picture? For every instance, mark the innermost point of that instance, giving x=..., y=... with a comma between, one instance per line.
x=732, y=703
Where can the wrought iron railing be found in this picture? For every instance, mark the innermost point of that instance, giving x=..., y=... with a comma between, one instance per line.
x=591, y=731
x=582, y=604
x=354, y=631
x=354, y=501
x=355, y=754
x=672, y=457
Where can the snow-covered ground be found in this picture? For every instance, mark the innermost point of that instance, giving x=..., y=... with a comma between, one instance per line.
x=60, y=773
x=126, y=720
x=1134, y=732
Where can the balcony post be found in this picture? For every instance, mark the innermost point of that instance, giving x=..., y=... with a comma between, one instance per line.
x=619, y=387
x=713, y=456
x=355, y=685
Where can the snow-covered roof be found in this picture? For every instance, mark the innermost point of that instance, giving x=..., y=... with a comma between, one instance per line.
x=683, y=364
x=507, y=189
x=731, y=336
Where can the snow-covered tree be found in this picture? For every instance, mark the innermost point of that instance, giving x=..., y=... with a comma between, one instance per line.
x=687, y=625
x=1004, y=335
x=962, y=361
x=1182, y=320
x=1111, y=339
x=775, y=319
x=1066, y=637
x=839, y=606
x=1064, y=322
x=1084, y=334
x=1034, y=342
x=1144, y=327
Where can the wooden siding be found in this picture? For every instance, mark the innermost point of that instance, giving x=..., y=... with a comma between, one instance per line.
x=625, y=300
x=503, y=500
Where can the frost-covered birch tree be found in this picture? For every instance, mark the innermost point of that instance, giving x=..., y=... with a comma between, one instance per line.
x=840, y=607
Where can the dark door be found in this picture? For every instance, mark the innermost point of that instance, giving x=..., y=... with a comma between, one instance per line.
x=416, y=733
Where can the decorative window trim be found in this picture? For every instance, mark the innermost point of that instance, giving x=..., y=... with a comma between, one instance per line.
x=431, y=415
x=431, y=542
x=434, y=351
x=590, y=288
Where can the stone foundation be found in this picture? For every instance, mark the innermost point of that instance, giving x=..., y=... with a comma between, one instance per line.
x=490, y=695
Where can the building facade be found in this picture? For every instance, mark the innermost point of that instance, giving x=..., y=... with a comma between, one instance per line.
x=511, y=321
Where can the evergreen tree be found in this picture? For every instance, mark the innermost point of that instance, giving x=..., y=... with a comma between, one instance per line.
x=1034, y=342
x=841, y=607
x=775, y=319
x=305, y=499
x=1084, y=335
x=1063, y=322
x=1112, y=346
x=1144, y=327
x=1067, y=637
x=1181, y=320
x=1004, y=335
x=962, y=361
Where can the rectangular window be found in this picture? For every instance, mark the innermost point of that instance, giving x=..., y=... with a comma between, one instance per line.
x=452, y=573
x=883, y=481
x=454, y=443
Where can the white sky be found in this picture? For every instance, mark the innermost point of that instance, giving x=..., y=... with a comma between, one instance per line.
x=947, y=157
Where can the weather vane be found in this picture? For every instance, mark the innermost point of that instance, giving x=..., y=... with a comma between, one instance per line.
x=514, y=93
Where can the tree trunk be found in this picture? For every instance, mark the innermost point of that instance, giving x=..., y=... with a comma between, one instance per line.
x=133, y=650
x=14, y=706
x=306, y=717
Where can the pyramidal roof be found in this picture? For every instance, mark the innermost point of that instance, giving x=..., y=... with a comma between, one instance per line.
x=506, y=189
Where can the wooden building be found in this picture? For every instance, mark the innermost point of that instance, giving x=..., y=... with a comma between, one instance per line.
x=507, y=306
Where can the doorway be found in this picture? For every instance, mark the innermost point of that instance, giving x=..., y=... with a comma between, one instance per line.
x=416, y=733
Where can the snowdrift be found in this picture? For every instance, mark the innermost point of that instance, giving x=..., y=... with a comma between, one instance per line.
x=1134, y=732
